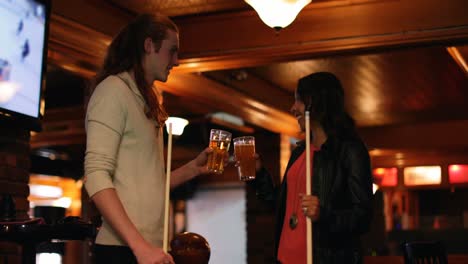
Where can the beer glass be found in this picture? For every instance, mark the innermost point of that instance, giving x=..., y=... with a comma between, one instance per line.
x=219, y=142
x=244, y=151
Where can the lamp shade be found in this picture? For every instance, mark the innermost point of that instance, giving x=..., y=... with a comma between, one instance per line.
x=178, y=125
x=278, y=13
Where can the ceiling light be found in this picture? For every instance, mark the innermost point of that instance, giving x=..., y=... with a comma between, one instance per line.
x=45, y=191
x=178, y=125
x=226, y=117
x=278, y=14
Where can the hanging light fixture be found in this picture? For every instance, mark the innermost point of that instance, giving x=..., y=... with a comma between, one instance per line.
x=278, y=14
x=178, y=125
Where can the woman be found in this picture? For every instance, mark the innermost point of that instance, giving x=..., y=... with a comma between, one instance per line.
x=341, y=202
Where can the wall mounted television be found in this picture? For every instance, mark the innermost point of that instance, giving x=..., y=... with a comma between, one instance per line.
x=23, y=54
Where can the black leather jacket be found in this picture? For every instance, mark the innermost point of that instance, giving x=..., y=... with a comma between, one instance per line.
x=342, y=180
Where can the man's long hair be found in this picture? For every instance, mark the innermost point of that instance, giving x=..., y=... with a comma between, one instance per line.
x=323, y=96
x=126, y=51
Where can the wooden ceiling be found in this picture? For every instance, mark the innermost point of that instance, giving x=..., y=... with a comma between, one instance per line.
x=402, y=64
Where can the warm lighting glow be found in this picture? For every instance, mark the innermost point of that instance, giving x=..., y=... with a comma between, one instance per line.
x=375, y=187
x=278, y=14
x=55, y=191
x=385, y=176
x=64, y=202
x=453, y=51
x=42, y=107
x=178, y=125
x=48, y=258
x=458, y=173
x=379, y=171
x=454, y=168
x=229, y=118
x=285, y=153
x=422, y=175
x=45, y=191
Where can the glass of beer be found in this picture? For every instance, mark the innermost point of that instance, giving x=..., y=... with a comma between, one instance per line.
x=244, y=152
x=219, y=142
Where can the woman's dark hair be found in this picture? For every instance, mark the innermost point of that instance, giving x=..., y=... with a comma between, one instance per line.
x=323, y=97
x=126, y=52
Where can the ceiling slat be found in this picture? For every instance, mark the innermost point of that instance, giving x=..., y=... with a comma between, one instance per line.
x=220, y=97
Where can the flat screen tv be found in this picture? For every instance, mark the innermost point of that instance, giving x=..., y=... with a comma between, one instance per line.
x=23, y=54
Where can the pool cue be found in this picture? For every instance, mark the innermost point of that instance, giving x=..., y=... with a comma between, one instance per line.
x=308, y=191
x=168, y=188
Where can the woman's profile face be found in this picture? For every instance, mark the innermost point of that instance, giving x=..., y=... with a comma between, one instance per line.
x=298, y=110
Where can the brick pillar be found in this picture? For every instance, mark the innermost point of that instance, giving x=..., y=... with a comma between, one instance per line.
x=14, y=177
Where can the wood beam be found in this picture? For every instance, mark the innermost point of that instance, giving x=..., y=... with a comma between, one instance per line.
x=69, y=48
x=65, y=126
x=220, y=97
x=61, y=127
x=436, y=143
x=255, y=87
x=423, y=136
x=208, y=43
x=74, y=47
x=242, y=40
x=405, y=157
x=100, y=15
x=240, y=128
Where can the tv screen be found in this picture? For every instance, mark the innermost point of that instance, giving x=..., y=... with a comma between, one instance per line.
x=23, y=45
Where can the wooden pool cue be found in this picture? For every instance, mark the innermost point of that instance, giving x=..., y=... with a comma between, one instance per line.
x=308, y=191
x=168, y=188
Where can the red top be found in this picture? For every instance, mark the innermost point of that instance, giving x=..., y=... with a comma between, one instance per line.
x=292, y=246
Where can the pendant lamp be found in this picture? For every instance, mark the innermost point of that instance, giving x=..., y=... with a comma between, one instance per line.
x=278, y=14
